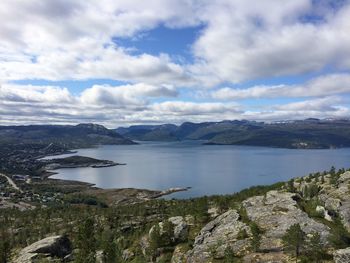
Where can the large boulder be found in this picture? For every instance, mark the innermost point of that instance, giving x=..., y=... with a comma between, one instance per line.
x=128, y=255
x=337, y=198
x=321, y=210
x=275, y=213
x=342, y=255
x=50, y=247
x=144, y=244
x=180, y=228
x=179, y=254
x=180, y=233
x=218, y=235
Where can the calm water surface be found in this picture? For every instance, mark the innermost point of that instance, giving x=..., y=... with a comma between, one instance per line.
x=207, y=169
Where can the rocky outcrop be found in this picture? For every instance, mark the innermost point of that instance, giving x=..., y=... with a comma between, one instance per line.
x=324, y=213
x=342, y=255
x=144, y=244
x=275, y=213
x=179, y=255
x=180, y=228
x=218, y=235
x=50, y=247
x=128, y=255
x=337, y=198
x=272, y=257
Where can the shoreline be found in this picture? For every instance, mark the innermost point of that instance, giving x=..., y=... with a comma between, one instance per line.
x=88, y=162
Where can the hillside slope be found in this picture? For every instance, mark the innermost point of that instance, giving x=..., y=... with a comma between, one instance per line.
x=79, y=136
x=254, y=225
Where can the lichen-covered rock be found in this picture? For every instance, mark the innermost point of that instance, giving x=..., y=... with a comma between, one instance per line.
x=218, y=235
x=50, y=247
x=272, y=257
x=99, y=256
x=275, y=213
x=179, y=255
x=320, y=209
x=342, y=255
x=128, y=254
x=344, y=212
x=213, y=212
x=337, y=198
x=180, y=233
x=180, y=228
x=189, y=220
x=144, y=244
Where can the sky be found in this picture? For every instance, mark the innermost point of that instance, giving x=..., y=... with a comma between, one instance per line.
x=127, y=62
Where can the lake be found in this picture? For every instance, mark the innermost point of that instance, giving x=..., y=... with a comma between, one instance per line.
x=208, y=169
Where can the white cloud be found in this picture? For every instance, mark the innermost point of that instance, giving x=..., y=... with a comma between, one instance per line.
x=321, y=86
x=241, y=40
x=135, y=104
x=193, y=108
x=126, y=95
x=104, y=104
x=327, y=107
x=319, y=105
x=29, y=93
x=251, y=40
x=74, y=40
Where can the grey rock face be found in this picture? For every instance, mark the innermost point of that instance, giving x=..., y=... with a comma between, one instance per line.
x=342, y=255
x=144, y=244
x=54, y=246
x=217, y=236
x=324, y=213
x=275, y=213
x=180, y=228
x=127, y=254
x=272, y=257
x=338, y=198
x=178, y=255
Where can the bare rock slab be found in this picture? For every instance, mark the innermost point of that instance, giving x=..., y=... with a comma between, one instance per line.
x=50, y=247
x=275, y=213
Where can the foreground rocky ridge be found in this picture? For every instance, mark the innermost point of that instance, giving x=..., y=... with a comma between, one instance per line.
x=250, y=226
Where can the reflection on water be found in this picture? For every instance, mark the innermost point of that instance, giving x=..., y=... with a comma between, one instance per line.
x=208, y=169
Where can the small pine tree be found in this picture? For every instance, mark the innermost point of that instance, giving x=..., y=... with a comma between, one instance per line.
x=256, y=237
x=332, y=171
x=4, y=250
x=293, y=240
x=290, y=186
x=155, y=241
x=242, y=234
x=306, y=192
x=167, y=233
x=86, y=242
x=339, y=237
x=313, y=190
x=111, y=253
x=315, y=249
x=230, y=256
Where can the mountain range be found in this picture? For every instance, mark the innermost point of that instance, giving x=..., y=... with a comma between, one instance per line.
x=307, y=134
x=67, y=136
